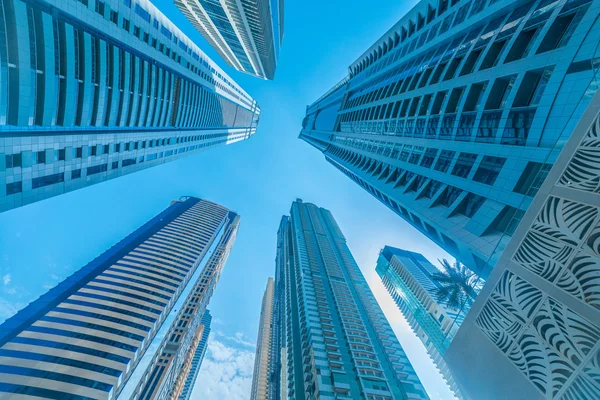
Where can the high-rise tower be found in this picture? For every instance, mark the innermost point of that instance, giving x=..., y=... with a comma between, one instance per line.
x=92, y=90
x=262, y=360
x=454, y=117
x=247, y=34
x=534, y=330
x=103, y=328
x=197, y=358
x=408, y=277
x=338, y=343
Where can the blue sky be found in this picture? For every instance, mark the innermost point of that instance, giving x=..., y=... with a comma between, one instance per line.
x=43, y=243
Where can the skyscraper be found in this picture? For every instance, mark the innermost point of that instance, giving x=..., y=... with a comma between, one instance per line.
x=96, y=333
x=534, y=329
x=338, y=342
x=262, y=360
x=197, y=358
x=408, y=277
x=93, y=90
x=247, y=34
x=455, y=115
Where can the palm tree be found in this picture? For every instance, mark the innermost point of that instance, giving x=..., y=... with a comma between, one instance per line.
x=457, y=285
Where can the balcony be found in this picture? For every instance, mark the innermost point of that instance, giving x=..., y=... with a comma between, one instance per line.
x=400, y=127
x=432, y=127
x=517, y=126
x=409, y=128
x=488, y=126
x=447, y=128
x=420, y=127
x=465, y=126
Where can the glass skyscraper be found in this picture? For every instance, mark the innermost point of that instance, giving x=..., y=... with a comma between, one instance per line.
x=247, y=33
x=92, y=90
x=130, y=319
x=534, y=329
x=262, y=361
x=337, y=342
x=197, y=358
x=454, y=117
x=408, y=277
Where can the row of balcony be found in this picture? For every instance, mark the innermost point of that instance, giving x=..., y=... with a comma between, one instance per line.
x=461, y=127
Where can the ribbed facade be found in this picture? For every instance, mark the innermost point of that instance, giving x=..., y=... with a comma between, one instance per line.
x=339, y=345
x=168, y=371
x=533, y=332
x=93, y=90
x=408, y=277
x=94, y=334
x=246, y=33
x=197, y=358
x=454, y=117
x=261, y=378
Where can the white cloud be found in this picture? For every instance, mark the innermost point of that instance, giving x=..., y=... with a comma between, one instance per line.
x=226, y=372
x=6, y=279
x=238, y=338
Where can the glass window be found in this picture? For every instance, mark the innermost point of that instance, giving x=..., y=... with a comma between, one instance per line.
x=55, y=376
x=428, y=158
x=62, y=361
x=521, y=45
x=47, y=180
x=97, y=169
x=449, y=196
x=508, y=220
x=463, y=165
x=444, y=161
x=432, y=188
x=142, y=13
x=532, y=87
x=14, y=187
x=532, y=178
x=14, y=160
x=493, y=55
x=489, y=169
x=41, y=157
x=469, y=206
x=559, y=33
x=70, y=347
x=500, y=92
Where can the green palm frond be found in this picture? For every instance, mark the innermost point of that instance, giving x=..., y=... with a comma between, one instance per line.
x=456, y=285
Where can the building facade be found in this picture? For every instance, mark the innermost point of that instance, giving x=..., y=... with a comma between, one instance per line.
x=247, y=34
x=534, y=330
x=92, y=90
x=166, y=374
x=262, y=360
x=408, y=277
x=96, y=333
x=339, y=345
x=197, y=358
x=454, y=117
